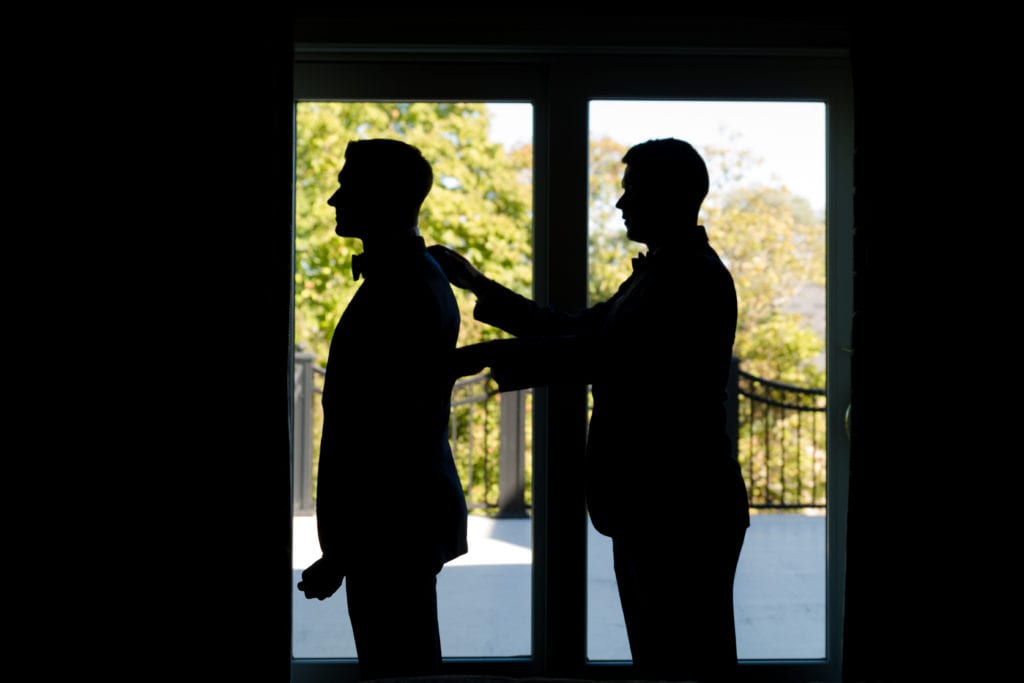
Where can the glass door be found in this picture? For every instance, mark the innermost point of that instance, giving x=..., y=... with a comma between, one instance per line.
x=765, y=216
x=481, y=205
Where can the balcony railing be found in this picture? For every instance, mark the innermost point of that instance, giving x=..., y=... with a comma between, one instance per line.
x=778, y=435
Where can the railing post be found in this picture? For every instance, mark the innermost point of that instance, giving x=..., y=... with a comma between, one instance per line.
x=512, y=455
x=302, y=444
x=732, y=407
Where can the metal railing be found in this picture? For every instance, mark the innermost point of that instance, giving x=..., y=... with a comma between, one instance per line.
x=490, y=434
x=778, y=435
x=779, y=439
x=306, y=418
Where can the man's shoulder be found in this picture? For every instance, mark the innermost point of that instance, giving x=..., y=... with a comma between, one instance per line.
x=683, y=272
x=414, y=294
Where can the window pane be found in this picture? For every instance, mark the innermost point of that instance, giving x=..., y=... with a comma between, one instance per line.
x=481, y=205
x=765, y=215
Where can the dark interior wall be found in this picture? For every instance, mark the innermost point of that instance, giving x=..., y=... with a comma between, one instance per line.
x=882, y=566
x=223, y=146
x=914, y=475
x=818, y=28
x=888, y=612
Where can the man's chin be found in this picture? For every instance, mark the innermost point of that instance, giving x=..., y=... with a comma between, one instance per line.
x=638, y=231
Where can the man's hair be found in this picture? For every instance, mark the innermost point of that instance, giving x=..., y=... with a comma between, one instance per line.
x=671, y=164
x=394, y=167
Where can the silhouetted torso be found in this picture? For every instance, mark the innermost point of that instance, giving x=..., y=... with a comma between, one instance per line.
x=388, y=491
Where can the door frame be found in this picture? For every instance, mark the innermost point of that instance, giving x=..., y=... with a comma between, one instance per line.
x=560, y=87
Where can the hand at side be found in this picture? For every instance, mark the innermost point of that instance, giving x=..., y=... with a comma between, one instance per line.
x=321, y=580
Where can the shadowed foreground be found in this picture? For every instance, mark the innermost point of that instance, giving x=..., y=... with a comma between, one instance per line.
x=484, y=597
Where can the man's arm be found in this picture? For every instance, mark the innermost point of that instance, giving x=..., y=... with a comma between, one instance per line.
x=532, y=361
x=509, y=311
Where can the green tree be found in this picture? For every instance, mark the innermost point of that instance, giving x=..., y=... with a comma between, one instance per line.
x=481, y=203
x=774, y=246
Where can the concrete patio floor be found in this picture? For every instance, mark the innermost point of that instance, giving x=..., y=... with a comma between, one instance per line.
x=484, y=596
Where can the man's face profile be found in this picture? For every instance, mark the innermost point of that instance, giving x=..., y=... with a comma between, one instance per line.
x=632, y=205
x=352, y=202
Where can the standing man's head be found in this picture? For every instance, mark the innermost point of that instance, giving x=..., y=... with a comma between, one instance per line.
x=664, y=185
x=381, y=188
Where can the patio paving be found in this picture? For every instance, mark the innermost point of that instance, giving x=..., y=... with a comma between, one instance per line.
x=484, y=596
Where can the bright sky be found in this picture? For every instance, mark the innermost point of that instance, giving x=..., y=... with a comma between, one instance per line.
x=788, y=136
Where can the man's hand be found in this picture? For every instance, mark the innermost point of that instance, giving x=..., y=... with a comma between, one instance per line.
x=459, y=271
x=320, y=580
x=468, y=360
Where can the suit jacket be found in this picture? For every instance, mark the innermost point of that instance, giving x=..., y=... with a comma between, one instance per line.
x=658, y=355
x=387, y=488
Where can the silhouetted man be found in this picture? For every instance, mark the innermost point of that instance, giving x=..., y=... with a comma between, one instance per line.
x=661, y=480
x=390, y=506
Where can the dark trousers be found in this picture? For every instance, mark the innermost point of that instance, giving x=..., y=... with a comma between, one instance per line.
x=394, y=622
x=676, y=591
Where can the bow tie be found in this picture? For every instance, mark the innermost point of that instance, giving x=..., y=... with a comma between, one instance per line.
x=639, y=262
x=358, y=265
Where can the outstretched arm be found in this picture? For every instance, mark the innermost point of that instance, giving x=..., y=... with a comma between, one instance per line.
x=507, y=310
x=531, y=361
